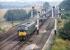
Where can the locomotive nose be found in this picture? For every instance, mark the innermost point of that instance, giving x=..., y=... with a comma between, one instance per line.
x=22, y=33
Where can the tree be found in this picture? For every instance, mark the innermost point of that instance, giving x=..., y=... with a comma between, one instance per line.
x=65, y=32
x=34, y=13
x=65, y=5
x=16, y=14
x=46, y=5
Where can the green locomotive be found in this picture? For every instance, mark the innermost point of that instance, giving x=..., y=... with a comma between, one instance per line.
x=25, y=30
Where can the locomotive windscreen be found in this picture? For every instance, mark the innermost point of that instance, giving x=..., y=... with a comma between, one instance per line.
x=22, y=27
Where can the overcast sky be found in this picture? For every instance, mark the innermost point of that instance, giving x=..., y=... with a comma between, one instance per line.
x=28, y=0
x=50, y=1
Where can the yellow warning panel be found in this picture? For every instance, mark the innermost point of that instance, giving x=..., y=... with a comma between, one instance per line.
x=22, y=33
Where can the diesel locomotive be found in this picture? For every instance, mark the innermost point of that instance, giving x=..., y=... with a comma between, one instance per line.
x=25, y=30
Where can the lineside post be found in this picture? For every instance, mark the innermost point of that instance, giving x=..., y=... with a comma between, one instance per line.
x=55, y=27
x=38, y=23
x=32, y=15
x=52, y=12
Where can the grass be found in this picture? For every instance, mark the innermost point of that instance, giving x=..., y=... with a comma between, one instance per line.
x=2, y=30
x=60, y=24
x=60, y=44
x=5, y=25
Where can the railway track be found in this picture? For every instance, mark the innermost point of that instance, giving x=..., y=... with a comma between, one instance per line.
x=5, y=35
x=36, y=39
x=41, y=39
x=16, y=45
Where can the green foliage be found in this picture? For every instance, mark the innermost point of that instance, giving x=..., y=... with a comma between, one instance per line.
x=46, y=5
x=2, y=30
x=62, y=41
x=18, y=14
x=65, y=5
x=66, y=15
x=34, y=13
x=61, y=44
x=65, y=32
x=15, y=15
x=67, y=26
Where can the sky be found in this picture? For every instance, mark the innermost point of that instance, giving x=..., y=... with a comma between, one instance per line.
x=28, y=0
x=50, y=1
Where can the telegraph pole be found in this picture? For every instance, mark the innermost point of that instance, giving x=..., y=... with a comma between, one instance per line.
x=58, y=12
x=38, y=23
x=52, y=12
x=32, y=15
x=55, y=27
x=12, y=21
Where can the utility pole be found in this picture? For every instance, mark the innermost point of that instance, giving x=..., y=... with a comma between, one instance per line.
x=58, y=12
x=12, y=21
x=52, y=12
x=55, y=27
x=32, y=15
x=38, y=23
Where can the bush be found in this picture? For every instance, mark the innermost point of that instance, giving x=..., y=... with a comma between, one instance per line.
x=15, y=15
x=61, y=44
x=65, y=32
x=18, y=14
x=34, y=13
